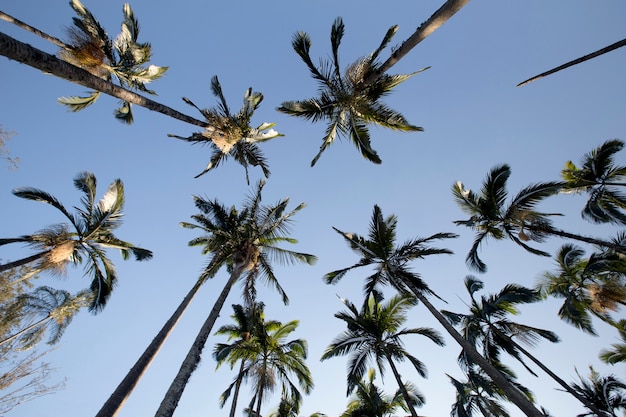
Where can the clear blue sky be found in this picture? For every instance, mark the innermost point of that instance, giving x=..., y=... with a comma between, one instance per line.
x=474, y=118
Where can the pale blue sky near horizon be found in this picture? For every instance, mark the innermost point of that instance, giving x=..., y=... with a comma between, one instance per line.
x=473, y=117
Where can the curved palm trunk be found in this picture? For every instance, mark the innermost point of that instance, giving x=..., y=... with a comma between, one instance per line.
x=27, y=328
x=434, y=22
x=38, y=59
x=405, y=393
x=117, y=399
x=577, y=61
x=189, y=365
x=512, y=393
x=581, y=238
x=556, y=378
x=233, y=407
x=23, y=261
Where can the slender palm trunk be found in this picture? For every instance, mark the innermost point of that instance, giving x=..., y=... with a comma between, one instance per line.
x=434, y=22
x=26, y=329
x=117, y=399
x=405, y=393
x=512, y=393
x=189, y=365
x=554, y=376
x=233, y=407
x=34, y=30
x=38, y=59
x=581, y=238
x=23, y=261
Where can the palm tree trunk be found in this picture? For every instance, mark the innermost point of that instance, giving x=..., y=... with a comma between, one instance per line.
x=189, y=365
x=405, y=393
x=554, y=376
x=512, y=393
x=434, y=22
x=599, y=52
x=581, y=238
x=27, y=328
x=23, y=261
x=233, y=407
x=34, y=30
x=117, y=399
x=38, y=59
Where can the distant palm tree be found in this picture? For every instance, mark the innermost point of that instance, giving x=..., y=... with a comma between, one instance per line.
x=519, y=221
x=248, y=322
x=375, y=334
x=592, y=286
x=607, y=393
x=345, y=101
x=576, y=61
x=370, y=401
x=487, y=326
x=391, y=264
x=617, y=353
x=245, y=242
x=599, y=177
x=53, y=309
x=231, y=135
x=92, y=234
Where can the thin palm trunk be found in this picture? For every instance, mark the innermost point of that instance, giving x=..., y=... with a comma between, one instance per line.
x=117, y=399
x=405, y=393
x=233, y=407
x=547, y=370
x=34, y=30
x=189, y=365
x=434, y=22
x=38, y=59
x=23, y=261
x=599, y=52
x=581, y=238
x=512, y=393
x=26, y=329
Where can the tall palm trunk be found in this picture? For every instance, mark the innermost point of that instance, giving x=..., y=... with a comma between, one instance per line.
x=512, y=393
x=27, y=328
x=24, y=261
x=593, y=241
x=405, y=393
x=189, y=365
x=38, y=59
x=547, y=370
x=434, y=22
x=233, y=407
x=34, y=30
x=117, y=399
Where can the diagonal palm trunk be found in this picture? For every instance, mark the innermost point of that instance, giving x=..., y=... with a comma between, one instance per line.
x=26, y=329
x=117, y=399
x=24, y=261
x=189, y=365
x=403, y=390
x=512, y=393
x=233, y=407
x=38, y=59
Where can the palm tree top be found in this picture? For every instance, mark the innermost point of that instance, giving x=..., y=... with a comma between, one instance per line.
x=231, y=135
x=346, y=101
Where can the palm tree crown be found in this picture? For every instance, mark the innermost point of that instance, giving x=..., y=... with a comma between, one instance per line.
x=92, y=234
x=231, y=135
x=346, y=101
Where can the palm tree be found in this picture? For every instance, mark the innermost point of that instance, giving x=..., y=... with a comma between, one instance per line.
x=248, y=321
x=588, y=287
x=618, y=351
x=576, y=61
x=391, y=263
x=370, y=401
x=55, y=310
x=245, y=242
x=607, y=393
x=374, y=333
x=487, y=326
x=477, y=394
x=599, y=177
x=519, y=221
x=92, y=234
x=231, y=135
x=345, y=101
x=272, y=359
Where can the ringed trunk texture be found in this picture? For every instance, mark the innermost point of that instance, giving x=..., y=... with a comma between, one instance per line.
x=189, y=365
x=117, y=399
x=405, y=393
x=38, y=59
x=512, y=393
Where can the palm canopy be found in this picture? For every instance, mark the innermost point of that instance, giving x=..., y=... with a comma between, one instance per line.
x=92, y=234
x=231, y=135
x=606, y=393
x=592, y=286
x=490, y=217
x=346, y=101
x=122, y=58
x=600, y=178
x=250, y=235
x=487, y=325
x=390, y=261
x=375, y=334
x=617, y=353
